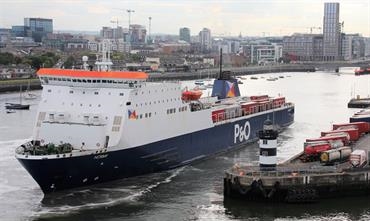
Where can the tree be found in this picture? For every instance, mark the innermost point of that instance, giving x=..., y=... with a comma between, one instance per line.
x=69, y=62
x=6, y=58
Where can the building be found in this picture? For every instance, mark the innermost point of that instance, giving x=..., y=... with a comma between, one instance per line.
x=367, y=47
x=138, y=34
x=205, y=40
x=353, y=46
x=303, y=47
x=113, y=33
x=5, y=35
x=20, y=31
x=185, y=34
x=39, y=27
x=264, y=54
x=228, y=46
x=180, y=47
x=331, y=32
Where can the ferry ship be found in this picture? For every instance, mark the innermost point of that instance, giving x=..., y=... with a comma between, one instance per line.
x=94, y=126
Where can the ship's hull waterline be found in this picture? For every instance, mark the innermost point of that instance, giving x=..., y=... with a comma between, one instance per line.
x=68, y=172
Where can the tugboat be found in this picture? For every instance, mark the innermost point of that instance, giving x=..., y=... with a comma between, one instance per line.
x=94, y=126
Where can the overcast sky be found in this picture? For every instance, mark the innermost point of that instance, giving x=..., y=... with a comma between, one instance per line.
x=225, y=17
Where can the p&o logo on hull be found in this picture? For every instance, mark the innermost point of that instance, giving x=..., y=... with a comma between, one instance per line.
x=242, y=133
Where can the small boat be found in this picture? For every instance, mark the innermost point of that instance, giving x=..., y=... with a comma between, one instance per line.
x=30, y=96
x=10, y=111
x=254, y=78
x=281, y=76
x=362, y=71
x=240, y=82
x=243, y=78
x=199, y=82
x=15, y=106
x=271, y=79
x=191, y=95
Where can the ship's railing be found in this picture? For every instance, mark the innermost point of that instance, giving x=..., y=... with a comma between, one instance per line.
x=34, y=148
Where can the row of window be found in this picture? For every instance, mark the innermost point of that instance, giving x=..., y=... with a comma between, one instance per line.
x=146, y=115
x=155, y=102
x=47, y=79
x=162, y=90
x=173, y=110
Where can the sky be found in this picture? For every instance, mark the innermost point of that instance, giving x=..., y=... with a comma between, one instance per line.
x=222, y=17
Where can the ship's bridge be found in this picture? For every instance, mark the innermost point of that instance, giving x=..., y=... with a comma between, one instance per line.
x=94, y=79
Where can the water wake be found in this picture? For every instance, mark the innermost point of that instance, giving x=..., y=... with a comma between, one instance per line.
x=134, y=197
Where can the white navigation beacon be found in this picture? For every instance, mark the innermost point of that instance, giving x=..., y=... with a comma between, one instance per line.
x=268, y=146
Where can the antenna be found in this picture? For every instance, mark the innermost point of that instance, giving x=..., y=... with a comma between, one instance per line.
x=220, y=74
x=150, y=25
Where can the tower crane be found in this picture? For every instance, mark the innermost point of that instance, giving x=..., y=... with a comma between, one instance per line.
x=311, y=28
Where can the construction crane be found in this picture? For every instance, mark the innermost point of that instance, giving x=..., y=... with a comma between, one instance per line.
x=311, y=28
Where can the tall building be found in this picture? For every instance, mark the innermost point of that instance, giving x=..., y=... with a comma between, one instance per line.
x=331, y=32
x=205, y=39
x=39, y=27
x=185, y=34
x=138, y=34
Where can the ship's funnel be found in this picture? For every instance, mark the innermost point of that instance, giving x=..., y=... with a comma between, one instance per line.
x=225, y=86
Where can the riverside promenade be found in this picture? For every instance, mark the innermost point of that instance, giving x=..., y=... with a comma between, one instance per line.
x=34, y=84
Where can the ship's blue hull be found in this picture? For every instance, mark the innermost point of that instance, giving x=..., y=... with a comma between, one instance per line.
x=63, y=173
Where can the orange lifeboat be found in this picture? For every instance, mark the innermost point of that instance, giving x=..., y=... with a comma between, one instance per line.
x=191, y=95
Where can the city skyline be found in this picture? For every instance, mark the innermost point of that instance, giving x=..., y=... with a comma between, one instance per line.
x=223, y=18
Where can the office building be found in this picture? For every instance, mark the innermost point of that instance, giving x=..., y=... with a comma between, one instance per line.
x=205, y=40
x=185, y=34
x=39, y=27
x=303, y=47
x=331, y=32
x=138, y=34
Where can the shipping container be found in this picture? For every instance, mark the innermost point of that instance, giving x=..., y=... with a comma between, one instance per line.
x=363, y=127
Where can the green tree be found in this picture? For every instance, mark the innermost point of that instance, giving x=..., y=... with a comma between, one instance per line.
x=70, y=61
x=6, y=58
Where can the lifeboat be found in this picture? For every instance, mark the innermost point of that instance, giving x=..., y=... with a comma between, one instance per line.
x=191, y=95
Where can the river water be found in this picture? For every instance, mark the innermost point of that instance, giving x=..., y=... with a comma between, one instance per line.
x=192, y=192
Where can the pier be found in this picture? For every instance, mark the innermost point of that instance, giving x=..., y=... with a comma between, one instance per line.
x=296, y=182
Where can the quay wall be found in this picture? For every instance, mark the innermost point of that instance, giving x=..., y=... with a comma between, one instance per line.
x=212, y=73
x=14, y=85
